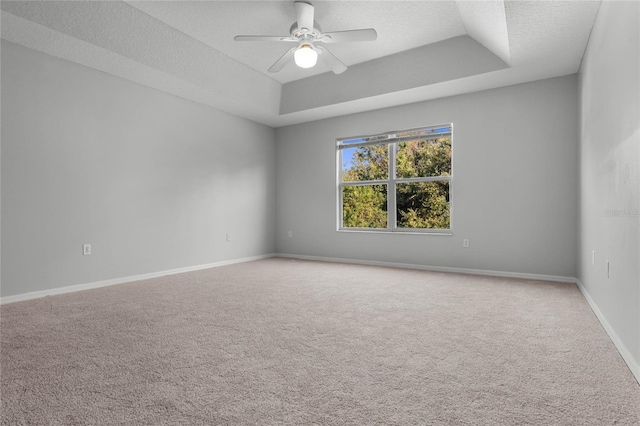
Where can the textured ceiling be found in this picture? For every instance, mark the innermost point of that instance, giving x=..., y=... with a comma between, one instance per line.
x=400, y=26
x=424, y=50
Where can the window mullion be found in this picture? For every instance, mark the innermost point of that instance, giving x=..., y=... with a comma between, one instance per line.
x=340, y=190
x=391, y=189
x=425, y=179
x=364, y=183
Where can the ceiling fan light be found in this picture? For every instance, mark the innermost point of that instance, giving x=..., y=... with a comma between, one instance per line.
x=305, y=56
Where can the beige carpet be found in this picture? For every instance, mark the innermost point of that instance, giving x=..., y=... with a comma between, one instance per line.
x=282, y=341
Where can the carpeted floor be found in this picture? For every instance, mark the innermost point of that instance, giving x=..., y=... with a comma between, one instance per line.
x=282, y=341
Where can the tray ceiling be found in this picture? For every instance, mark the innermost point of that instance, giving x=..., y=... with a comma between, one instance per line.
x=424, y=50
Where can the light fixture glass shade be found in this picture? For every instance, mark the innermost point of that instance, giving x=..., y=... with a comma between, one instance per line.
x=305, y=56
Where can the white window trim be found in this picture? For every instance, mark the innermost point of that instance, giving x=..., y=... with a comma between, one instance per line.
x=392, y=181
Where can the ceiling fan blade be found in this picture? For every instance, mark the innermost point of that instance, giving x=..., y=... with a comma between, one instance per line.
x=368, y=34
x=304, y=15
x=284, y=59
x=336, y=64
x=263, y=38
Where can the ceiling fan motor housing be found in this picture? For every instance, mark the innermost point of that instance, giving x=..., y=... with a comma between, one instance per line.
x=299, y=33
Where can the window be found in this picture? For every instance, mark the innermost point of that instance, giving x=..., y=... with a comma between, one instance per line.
x=397, y=181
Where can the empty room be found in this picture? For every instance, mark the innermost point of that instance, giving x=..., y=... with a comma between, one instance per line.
x=320, y=212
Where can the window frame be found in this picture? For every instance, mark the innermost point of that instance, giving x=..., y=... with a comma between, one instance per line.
x=391, y=140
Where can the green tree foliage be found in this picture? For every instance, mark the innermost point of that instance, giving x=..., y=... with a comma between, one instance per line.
x=422, y=158
x=369, y=163
x=365, y=206
x=419, y=204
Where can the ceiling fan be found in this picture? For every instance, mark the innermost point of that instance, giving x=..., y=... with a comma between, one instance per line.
x=307, y=34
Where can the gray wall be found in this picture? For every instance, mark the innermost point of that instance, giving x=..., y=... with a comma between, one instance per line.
x=152, y=181
x=610, y=170
x=514, y=181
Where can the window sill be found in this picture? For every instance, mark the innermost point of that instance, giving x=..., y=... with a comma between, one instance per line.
x=384, y=231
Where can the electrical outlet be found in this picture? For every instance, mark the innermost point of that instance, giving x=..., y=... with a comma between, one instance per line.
x=465, y=243
x=290, y=234
x=608, y=269
x=593, y=258
x=228, y=237
x=86, y=249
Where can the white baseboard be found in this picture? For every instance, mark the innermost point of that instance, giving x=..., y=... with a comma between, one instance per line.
x=106, y=283
x=632, y=363
x=537, y=277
